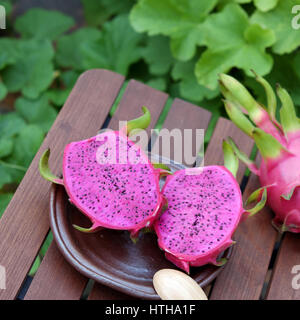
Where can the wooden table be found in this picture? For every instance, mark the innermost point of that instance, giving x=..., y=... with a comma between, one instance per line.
x=255, y=270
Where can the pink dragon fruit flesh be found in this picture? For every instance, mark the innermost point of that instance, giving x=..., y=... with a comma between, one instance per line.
x=278, y=143
x=204, y=209
x=110, y=180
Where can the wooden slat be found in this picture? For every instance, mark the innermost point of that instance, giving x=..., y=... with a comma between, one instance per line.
x=244, y=276
x=101, y=292
x=214, y=155
x=184, y=115
x=281, y=282
x=64, y=284
x=25, y=223
x=214, y=152
x=136, y=95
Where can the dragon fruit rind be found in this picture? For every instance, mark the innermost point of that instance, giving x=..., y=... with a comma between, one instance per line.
x=110, y=180
x=278, y=143
x=204, y=209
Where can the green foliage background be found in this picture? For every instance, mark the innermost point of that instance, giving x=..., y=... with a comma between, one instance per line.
x=178, y=46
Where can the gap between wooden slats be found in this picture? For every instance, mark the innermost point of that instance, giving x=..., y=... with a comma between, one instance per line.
x=26, y=221
x=286, y=270
x=214, y=153
x=182, y=115
x=135, y=96
x=44, y=285
x=244, y=276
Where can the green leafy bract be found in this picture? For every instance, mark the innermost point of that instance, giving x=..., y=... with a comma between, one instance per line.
x=43, y=24
x=233, y=42
x=280, y=21
x=181, y=20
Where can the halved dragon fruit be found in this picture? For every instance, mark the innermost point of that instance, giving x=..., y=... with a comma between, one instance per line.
x=204, y=209
x=278, y=143
x=111, y=180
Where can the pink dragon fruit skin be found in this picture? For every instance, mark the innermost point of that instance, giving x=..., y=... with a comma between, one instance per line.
x=204, y=209
x=284, y=178
x=278, y=143
x=115, y=196
x=111, y=181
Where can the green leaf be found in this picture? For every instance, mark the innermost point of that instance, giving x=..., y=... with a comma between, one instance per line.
x=117, y=49
x=3, y=91
x=33, y=71
x=69, y=78
x=27, y=144
x=296, y=64
x=279, y=20
x=68, y=54
x=158, y=83
x=35, y=266
x=265, y=5
x=286, y=65
x=43, y=24
x=222, y=3
x=7, y=5
x=38, y=112
x=4, y=201
x=189, y=88
x=5, y=176
x=6, y=147
x=158, y=55
x=58, y=96
x=46, y=244
x=233, y=42
x=5, y=57
x=97, y=12
x=10, y=125
x=181, y=20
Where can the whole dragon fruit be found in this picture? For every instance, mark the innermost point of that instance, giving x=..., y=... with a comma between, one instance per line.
x=111, y=180
x=278, y=143
x=204, y=209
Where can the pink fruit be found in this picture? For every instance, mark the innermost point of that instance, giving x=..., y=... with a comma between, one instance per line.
x=204, y=209
x=111, y=180
x=278, y=142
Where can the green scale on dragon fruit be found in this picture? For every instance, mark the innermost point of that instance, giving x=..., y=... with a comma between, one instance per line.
x=204, y=209
x=277, y=141
x=111, y=180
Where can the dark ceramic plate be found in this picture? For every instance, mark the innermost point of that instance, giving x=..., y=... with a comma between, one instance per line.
x=110, y=257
